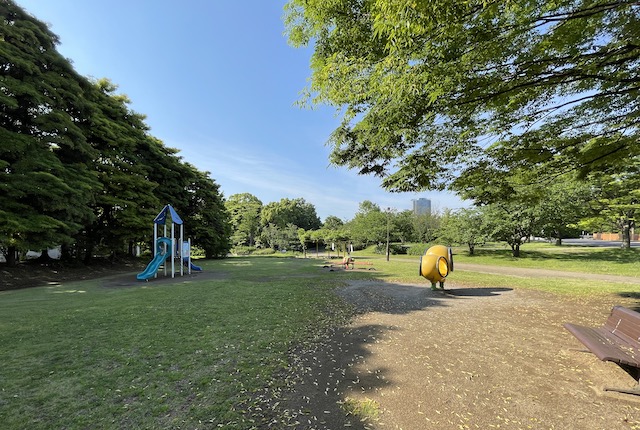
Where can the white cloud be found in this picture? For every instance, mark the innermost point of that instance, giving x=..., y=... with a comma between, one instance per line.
x=239, y=168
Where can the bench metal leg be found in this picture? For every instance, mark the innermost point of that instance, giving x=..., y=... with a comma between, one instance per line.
x=633, y=391
x=635, y=373
x=580, y=350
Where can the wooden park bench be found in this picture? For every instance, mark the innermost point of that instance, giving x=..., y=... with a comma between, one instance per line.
x=618, y=341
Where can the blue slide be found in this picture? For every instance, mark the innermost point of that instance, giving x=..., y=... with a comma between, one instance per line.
x=161, y=256
x=193, y=266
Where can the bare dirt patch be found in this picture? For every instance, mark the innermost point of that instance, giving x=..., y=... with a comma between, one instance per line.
x=129, y=280
x=121, y=274
x=37, y=274
x=464, y=358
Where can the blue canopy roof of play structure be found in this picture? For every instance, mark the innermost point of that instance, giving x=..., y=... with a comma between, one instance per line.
x=161, y=218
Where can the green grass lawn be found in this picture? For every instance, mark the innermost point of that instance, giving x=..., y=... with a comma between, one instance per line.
x=607, y=261
x=199, y=354
x=612, y=261
x=187, y=355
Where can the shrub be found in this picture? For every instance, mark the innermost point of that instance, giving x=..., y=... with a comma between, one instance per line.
x=394, y=249
x=243, y=250
x=418, y=248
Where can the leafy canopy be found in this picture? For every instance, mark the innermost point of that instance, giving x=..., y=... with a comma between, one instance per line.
x=426, y=86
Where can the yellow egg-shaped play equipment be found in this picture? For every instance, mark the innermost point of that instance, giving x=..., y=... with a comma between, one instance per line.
x=442, y=251
x=436, y=264
x=434, y=267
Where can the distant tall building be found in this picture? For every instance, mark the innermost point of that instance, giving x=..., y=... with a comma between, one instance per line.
x=421, y=206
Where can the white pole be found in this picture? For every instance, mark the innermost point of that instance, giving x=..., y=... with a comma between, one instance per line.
x=173, y=249
x=155, y=244
x=164, y=264
x=181, y=249
x=189, y=257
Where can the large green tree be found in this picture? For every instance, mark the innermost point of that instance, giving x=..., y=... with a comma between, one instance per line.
x=332, y=222
x=510, y=200
x=564, y=203
x=126, y=202
x=290, y=211
x=616, y=203
x=195, y=196
x=371, y=224
x=425, y=86
x=45, y=159
x=511, y=221
x=425, y=226
x=207, y=221
x=77, y=166
x=244, y=210
x=466, y=227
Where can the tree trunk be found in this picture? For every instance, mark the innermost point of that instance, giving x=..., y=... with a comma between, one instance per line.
x=515, y=249
x=66, y=253
x=472, y=248
x=11, y=256
x=626, y=234
x=44, y=257
x=88, y=253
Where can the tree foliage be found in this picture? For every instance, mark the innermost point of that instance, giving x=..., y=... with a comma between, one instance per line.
x=427, y=86
x=563, y=204
x=512, y=222
x=78, y=167
x=45, y=177
x=208, y=223
x=126, y=200
x=245, y=210
x=465, y=227
x=370, y=224
x=290, y=211
x=522, y=201
x=332, y=222
x=616, y=202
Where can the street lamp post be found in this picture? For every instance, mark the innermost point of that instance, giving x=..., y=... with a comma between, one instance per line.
x=388, y=212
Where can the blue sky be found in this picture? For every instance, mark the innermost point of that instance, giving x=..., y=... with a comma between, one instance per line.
x=218, y=81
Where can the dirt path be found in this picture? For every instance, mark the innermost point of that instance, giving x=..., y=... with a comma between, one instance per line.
x=465, y=358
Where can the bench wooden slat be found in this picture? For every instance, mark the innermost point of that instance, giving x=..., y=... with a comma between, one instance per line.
x=625, y=324
x=604, y=345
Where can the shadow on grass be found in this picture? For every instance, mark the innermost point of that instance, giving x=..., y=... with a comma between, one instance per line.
x=635, y=295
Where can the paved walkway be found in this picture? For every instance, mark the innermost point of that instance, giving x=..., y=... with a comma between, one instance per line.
x=542, y=273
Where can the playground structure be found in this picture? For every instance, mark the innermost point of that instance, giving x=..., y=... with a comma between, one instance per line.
x=348, y=261
x=436, y=264
x=166, y=248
